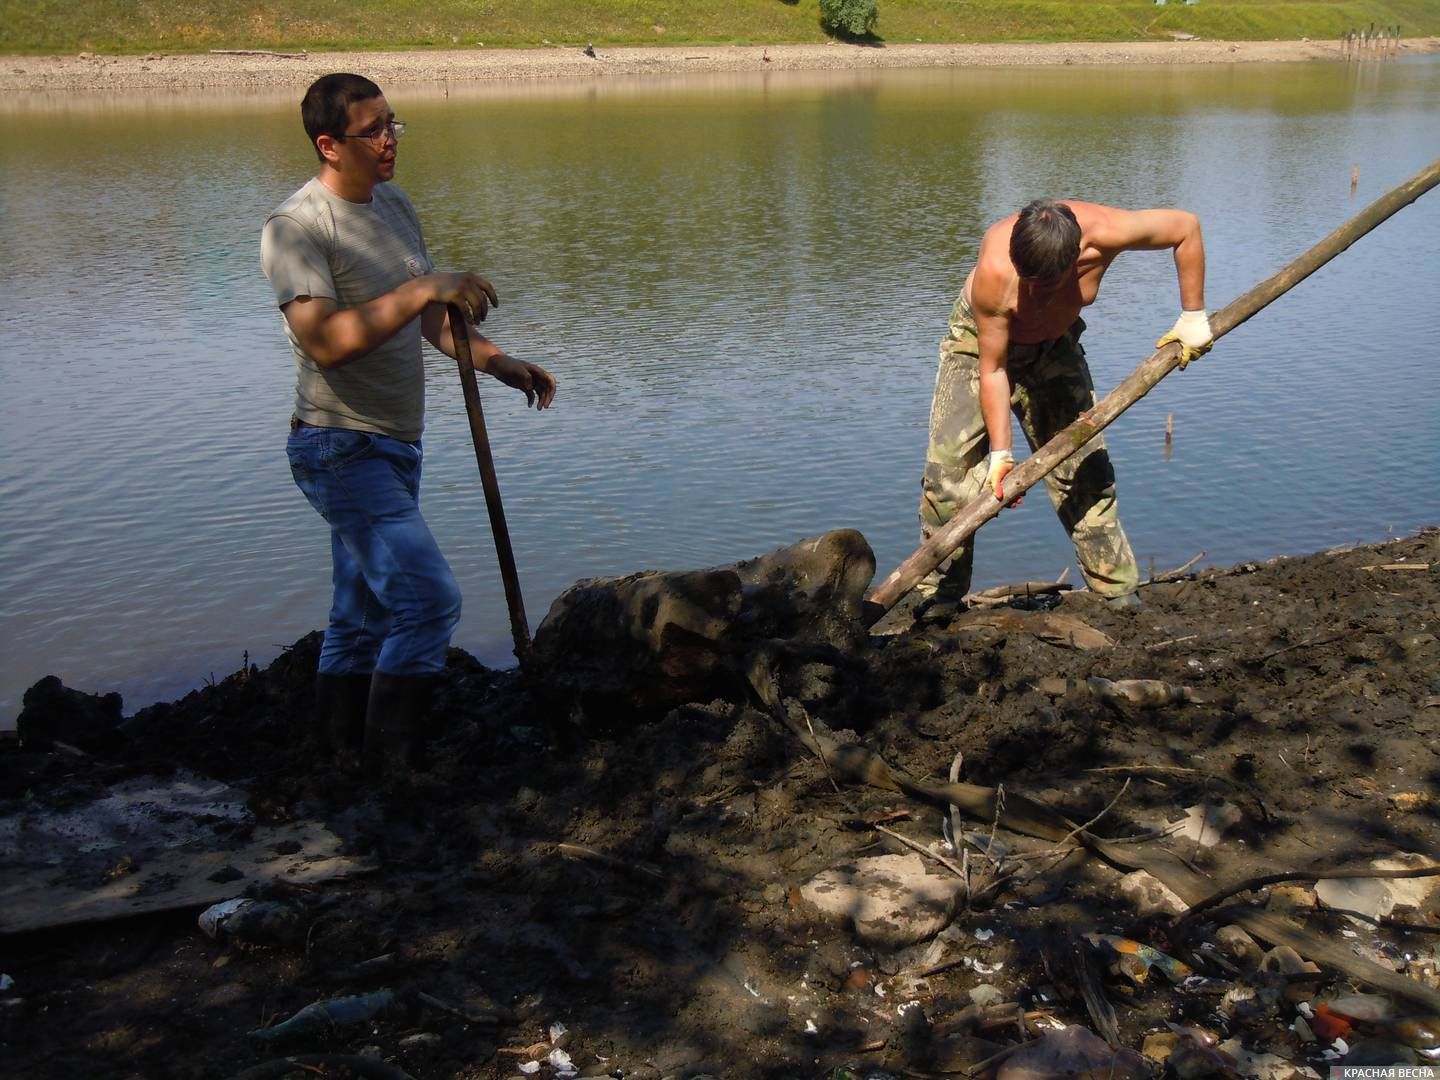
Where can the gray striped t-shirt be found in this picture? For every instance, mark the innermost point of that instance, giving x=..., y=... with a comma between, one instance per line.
x=318, y=244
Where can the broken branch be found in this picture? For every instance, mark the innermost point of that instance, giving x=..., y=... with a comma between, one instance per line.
x=1305, y=875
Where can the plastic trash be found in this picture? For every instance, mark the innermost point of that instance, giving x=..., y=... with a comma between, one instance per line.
x=1147, y=693
x=337, y=1012
x=1380, y=1016
x=256, y=922
x=1135, y=959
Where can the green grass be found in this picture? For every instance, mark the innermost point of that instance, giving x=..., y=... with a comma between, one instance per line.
x=69, y=26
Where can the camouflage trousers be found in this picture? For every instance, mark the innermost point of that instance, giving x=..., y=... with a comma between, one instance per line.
x=1050, y=386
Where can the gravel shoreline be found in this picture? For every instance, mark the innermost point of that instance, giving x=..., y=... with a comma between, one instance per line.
x=260, y=71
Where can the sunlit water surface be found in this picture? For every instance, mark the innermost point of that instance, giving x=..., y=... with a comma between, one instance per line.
x=740, y=282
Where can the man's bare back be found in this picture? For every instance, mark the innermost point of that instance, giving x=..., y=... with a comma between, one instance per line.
x=1042, y=311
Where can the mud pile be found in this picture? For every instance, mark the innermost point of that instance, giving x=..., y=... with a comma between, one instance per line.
x=651, y=891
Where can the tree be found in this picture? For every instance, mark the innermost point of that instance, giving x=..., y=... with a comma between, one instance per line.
x=849, y=18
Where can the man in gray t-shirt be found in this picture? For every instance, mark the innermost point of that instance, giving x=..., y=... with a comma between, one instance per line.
x=347, y=260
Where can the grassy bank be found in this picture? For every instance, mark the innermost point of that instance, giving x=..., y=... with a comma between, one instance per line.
x=66, y=26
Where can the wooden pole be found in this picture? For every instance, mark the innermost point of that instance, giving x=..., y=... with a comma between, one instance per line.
x=519, y=628
x=1140, y=382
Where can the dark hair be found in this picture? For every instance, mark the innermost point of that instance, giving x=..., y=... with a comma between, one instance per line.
x=326, y=107
x=1045, y=241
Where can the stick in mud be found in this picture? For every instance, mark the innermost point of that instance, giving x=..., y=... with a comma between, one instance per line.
x=509, y=576
x=1140, y=382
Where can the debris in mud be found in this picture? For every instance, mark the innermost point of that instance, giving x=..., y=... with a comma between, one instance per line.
x=55, y=714
x=1071, y=1052
x=631, y=862
x=322, y=1017
x=254, y=922
x=643, y=644
x=73, y=853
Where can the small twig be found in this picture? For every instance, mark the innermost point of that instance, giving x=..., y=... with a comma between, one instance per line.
x=1312, y=641
x=995, y=823
x=454, y=1010
x=946, y=965
x=1153, y=834
x=1063, y=575
x=994, y=885
x=1108, y=807
x=819, y=752
x=1139, y=767
x=1388, y=922
x=580, y=851
x=1172, y=641
x=955, y=829
x=310, y=933
x=1170, y=575
x=981, y=1066
x=716, y=796
x=923, y=850
x=1023, y=588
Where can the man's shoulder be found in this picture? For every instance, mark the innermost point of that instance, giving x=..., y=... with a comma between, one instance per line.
x=992, y=285
x=305, y=205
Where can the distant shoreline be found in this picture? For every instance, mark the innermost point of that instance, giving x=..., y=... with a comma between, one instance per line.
x=179, y=71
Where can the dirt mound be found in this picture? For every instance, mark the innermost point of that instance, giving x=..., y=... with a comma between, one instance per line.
x=631, y=896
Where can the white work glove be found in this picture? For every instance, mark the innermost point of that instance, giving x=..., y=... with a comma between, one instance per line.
x=1000, y=464
x=1192, y=331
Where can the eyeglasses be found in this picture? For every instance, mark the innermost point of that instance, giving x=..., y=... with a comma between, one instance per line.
x=395, y=128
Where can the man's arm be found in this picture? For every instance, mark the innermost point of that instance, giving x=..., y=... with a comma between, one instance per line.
x=333, y=337
x=537, y=384
x=1154, y=230
x=1142, y=230
x=993, y=334
x=298, y=266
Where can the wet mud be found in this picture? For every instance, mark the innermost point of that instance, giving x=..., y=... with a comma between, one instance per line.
x=630, y=889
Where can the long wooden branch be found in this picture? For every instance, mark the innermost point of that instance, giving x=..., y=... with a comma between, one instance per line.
x=938, y=548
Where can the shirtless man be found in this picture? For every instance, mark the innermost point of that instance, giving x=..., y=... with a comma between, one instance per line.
x=1014, y=345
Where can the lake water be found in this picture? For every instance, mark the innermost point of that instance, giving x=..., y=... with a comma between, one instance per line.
x=740, y=282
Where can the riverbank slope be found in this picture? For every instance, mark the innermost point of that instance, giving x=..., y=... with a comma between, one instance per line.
x=673, y=937
x=252, y=71
x=54, y=26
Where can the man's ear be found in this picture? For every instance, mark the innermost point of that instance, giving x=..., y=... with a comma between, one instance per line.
x=329, y=148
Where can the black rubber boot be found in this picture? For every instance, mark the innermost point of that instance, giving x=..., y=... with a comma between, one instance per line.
x=396, y=722
x=338, y=724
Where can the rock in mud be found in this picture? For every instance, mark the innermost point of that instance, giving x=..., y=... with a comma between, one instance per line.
x=640, y=645
x=890, y=901
x=1148, y=895
x=1379, y=896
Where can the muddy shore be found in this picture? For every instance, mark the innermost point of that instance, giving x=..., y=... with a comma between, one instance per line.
x=676, y=934
x=269, y=71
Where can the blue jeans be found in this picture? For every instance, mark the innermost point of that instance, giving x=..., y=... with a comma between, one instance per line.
x=396, y=600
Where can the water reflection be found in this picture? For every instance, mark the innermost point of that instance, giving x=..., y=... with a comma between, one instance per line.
x=740, y=280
